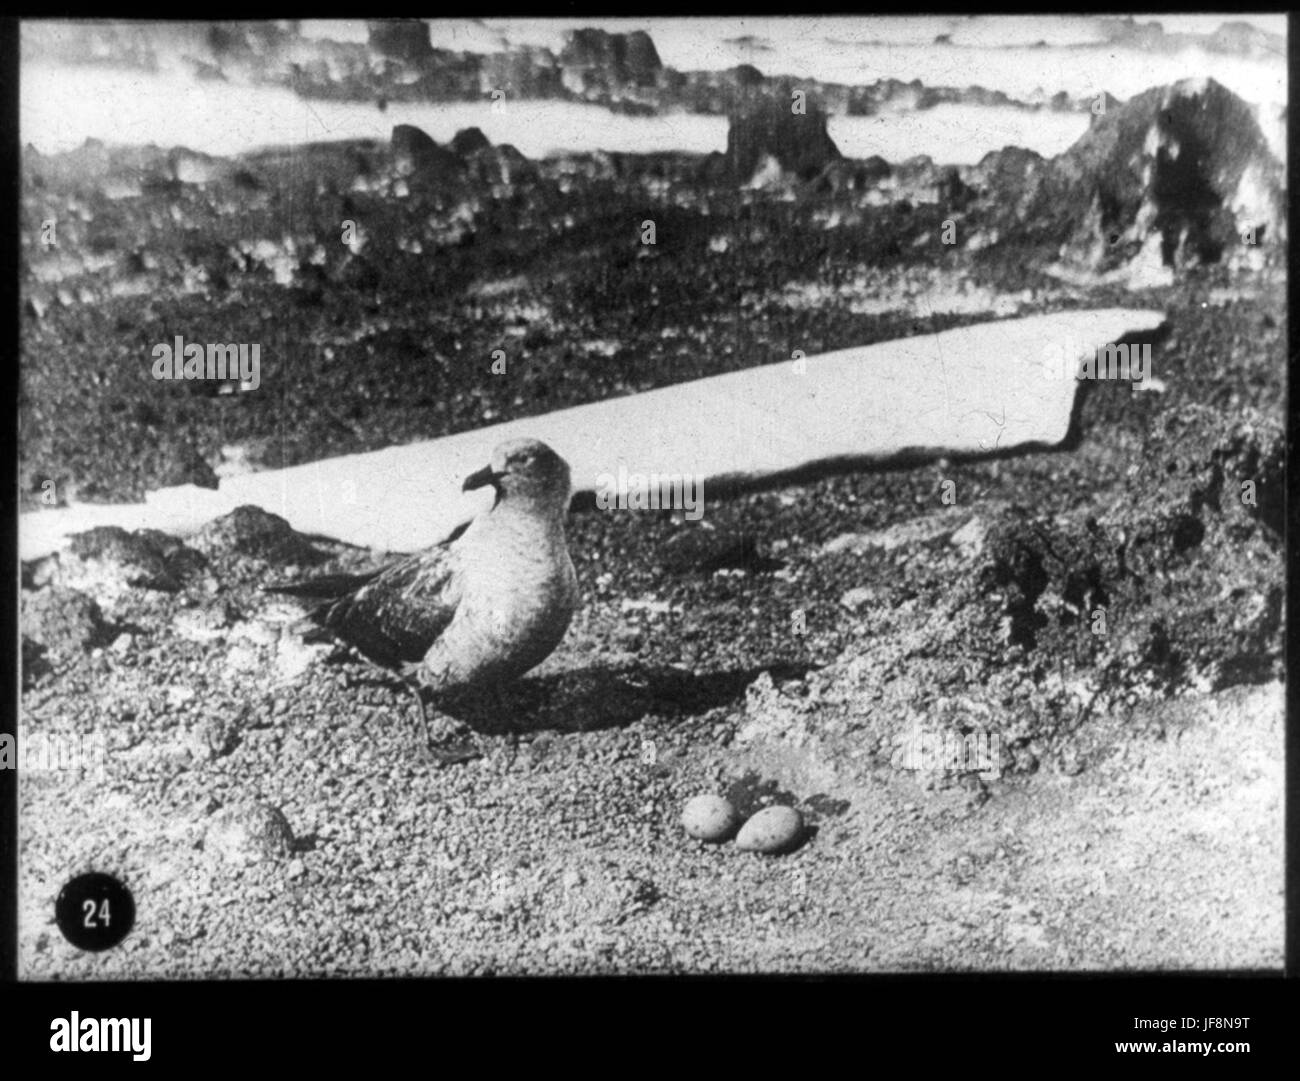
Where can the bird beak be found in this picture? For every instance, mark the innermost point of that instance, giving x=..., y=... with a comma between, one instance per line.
x=481, y=479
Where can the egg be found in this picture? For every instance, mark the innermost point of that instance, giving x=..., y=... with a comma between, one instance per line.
x=772, y=830
x=710, y=818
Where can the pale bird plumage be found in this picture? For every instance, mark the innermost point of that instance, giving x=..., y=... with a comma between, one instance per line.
x=480, y=609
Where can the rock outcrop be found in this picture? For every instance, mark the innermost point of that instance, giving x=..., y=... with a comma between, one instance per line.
x=400, y=39
x=772, y=138
x=597, y=59
x=1178, y=176
x=525, y=73
x=1186, y=163
x=469, y=141
x=416, y=154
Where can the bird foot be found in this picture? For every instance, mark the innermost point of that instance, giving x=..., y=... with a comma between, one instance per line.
x=449, y=745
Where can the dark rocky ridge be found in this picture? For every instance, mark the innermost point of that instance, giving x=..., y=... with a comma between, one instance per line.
x=1118, y=197
x=619, y=71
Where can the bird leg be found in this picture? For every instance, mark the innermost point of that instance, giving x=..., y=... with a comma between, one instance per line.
x=422, y=717
x=408, y=676
x=442, y=747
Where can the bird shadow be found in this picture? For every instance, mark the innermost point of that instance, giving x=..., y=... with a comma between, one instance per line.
x=604, y=696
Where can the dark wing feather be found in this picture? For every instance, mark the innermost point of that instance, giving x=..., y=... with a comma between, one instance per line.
x=391, y=615
x=325, y=586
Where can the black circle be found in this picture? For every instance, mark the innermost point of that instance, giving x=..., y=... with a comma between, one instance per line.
x=95, y=911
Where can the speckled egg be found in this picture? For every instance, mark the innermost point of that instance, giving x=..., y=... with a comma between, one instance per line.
x=772, y=830
x=710, y=818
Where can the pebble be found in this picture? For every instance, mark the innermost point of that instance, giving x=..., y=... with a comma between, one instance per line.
x=772, y=830
x=249, y=833
x=710, y=818
x=216, y=737
x=969, y=539
x=857, y=598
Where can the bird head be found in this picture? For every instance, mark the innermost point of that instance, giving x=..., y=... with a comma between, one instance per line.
x=525, y=470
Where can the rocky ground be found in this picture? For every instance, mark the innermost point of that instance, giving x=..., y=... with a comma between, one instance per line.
x=264, y=799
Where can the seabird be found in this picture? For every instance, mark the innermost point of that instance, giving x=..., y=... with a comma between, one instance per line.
x=479, y=609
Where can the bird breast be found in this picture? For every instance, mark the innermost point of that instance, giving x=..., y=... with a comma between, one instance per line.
x=518, y=596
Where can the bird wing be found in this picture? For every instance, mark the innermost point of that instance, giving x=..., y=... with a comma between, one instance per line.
x=390, y=615
x=325, y=586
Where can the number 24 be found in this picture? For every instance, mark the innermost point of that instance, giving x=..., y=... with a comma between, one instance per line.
x=88, y=908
